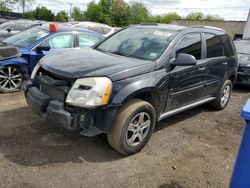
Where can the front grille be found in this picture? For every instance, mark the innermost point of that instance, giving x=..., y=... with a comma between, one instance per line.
x=55, y=87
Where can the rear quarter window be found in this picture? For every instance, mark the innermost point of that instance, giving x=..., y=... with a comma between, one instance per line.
x=229, y=45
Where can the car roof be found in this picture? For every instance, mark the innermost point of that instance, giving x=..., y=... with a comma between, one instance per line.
x=180, y=28
x=67, y=28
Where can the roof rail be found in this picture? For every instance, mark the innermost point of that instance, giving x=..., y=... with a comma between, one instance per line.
x=148, y=23
x=208, y=27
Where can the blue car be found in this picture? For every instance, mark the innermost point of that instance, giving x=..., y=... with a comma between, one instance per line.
x=34, y=44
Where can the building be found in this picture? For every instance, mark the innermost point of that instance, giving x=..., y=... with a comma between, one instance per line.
x=246, y=34
x=234, y=28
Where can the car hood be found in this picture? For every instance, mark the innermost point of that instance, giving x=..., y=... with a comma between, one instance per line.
x=244, y=60
x=81, y=63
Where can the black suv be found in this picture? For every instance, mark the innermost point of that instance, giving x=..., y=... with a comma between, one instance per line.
x=132, y=80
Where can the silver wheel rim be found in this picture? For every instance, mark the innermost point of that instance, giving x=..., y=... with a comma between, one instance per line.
x=225, y=95
x=138, y=129
x=10, y=78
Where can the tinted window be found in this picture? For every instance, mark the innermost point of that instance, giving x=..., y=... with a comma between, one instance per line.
x=190, y=44
x=228, y=43
x=60, y=41
x=86, y=40
x=215, y=47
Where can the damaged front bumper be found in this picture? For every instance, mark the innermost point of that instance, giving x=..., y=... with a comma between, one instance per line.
x=93, y=122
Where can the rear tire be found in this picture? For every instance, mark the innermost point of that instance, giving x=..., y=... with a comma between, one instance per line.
x=223, y=96
x=133, y=127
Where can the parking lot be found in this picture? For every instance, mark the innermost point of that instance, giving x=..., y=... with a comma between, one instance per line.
x=196, y=148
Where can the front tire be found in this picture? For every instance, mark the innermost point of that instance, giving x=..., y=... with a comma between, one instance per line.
x=133, y=127
x=223, y=96
x=11, y=79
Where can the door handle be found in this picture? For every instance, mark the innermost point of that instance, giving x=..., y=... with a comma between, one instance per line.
x=202, y=68
x=224, y=63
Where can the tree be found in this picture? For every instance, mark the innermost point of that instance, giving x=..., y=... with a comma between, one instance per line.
x=29, y=15
x=138, y=12
x=22, y=3
x=201, y=16
x=94, y=12
x=195, y=16
x=61, y=17
x=107, y=11
x=4, y=7
x=213, y=17
x=121, y=13
x=42, y=13
x=77, y=14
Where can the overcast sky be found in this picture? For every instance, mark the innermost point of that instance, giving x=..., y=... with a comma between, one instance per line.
x=229, y=9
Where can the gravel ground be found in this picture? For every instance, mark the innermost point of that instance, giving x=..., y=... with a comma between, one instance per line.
x=196, y=148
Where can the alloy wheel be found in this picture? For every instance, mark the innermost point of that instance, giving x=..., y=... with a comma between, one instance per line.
x=225, y=95
x=138, y=129
x=10, y=79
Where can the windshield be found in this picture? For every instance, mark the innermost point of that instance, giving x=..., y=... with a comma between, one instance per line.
x=243, y=47
x=138, y=42
x=5, y=25
x=26, y=37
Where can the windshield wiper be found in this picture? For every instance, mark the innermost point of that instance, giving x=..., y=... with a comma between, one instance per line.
x=121, y=54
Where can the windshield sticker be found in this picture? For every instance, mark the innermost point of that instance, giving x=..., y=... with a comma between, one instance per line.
x=153, y=54
x=162, y=33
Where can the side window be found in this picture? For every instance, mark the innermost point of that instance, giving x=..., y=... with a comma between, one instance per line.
x=190, y=44
x=86, y=40
x=97, y=29
x=60, y=41
x=19, y=26
x=215, y=47
x=106, y=30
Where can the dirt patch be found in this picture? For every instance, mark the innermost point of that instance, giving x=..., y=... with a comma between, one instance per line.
x=196, y=148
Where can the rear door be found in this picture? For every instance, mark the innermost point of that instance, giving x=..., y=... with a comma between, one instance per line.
x=187, y=82
x=216, y=63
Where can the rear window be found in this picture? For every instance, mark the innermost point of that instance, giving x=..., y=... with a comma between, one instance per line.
x=214, y=45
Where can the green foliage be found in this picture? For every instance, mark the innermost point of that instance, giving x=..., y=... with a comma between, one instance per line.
x=201, y=16
x=21, y=3
x=139, y=13
x=3, y=6
x=94, y=12
x=114, y=13
x=29, y=15
x=77, y=14
x=42, y=13
x=61, y=17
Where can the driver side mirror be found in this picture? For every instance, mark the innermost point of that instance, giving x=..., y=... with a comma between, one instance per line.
x=184, y=60
x=40, y=49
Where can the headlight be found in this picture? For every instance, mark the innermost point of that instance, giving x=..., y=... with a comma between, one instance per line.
x=90, y=92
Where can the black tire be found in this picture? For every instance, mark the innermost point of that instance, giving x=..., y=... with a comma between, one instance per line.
x=133, y=109
x=218, y=104
x=10, y=82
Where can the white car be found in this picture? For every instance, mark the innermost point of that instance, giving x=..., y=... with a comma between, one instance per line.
x=103, y=29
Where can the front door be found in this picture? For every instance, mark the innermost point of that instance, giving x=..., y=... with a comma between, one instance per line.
x=187, y=82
